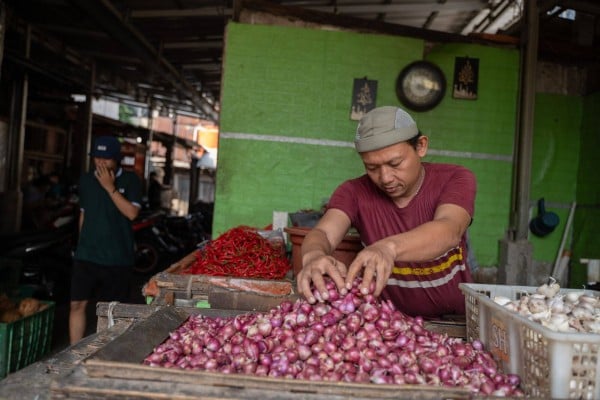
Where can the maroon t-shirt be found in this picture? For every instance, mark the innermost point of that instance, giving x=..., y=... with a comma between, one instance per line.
x=428, y=289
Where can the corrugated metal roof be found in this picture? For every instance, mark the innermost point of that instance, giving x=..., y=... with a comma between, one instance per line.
x=169, y=52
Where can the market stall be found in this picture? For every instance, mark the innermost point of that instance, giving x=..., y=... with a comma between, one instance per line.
x=218, y=335
x=109, y=364
x=117, y=368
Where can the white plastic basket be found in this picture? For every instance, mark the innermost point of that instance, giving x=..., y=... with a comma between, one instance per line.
x=551, y=364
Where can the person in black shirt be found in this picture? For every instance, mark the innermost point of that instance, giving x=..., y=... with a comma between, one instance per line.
x=154, y=191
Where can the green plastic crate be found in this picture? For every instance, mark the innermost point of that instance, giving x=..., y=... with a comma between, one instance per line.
x=26, y=340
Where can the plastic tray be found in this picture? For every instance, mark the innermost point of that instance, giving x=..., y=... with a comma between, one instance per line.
x=551, y=364
x=26, y=340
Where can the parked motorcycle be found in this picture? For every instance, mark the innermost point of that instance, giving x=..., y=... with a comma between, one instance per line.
x=161, y=239
x=189, y=229
x=203, y=214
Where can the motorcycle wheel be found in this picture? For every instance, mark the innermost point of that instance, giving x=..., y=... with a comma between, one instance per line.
x=146, y=258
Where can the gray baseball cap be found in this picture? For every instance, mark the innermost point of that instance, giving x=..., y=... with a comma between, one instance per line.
x=382, y=127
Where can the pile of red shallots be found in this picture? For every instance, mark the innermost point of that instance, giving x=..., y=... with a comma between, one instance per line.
x=351, y=338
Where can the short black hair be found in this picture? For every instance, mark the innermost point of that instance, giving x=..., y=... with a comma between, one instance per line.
x=413, y=141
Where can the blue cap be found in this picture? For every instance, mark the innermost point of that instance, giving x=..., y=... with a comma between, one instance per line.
x=106, y=147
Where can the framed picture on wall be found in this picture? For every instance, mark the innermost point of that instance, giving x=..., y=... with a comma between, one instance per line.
x=364, y=94
x=466, y=76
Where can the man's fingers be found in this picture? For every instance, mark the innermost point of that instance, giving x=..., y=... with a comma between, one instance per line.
x=353, y=270
x=337, y=274
x=304, y=287
x=368, y=274
x=319, y=284
x=343, y=269
x=380, y=282
x=311, y=281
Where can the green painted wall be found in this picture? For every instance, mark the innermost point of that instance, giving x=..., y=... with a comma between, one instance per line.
x=484, y=126
x=554, y=165
x=292, y=82
x=285, y=83
x=586, y=233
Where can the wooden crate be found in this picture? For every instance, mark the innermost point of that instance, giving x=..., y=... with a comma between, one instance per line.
x=199, y=385
x=116, y=371
x=223, y=302
x=79, y=385
x=109, y=314
x=169, y=285
x=453, y=328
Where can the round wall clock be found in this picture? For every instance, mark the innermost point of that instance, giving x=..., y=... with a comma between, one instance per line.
x=421, y=86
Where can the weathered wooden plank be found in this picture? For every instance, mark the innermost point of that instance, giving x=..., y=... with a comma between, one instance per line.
x=201, y=283
x=146, y=333
x=106, y=311
x=248, y=301
x=132, y=372
x=33, y=381
x=77, y=385
x=141, y=338
x=455, y=329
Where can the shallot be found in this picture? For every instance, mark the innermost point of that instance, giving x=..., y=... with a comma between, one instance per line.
x=354, y=338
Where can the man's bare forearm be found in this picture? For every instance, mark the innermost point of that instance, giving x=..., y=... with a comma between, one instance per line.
x=315, y=244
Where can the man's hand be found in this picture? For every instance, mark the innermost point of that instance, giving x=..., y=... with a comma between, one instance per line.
x=317, y=247
x=106, y=178
x=314, y=271
x=377, y=260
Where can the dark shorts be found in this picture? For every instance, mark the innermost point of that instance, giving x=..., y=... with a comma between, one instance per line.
x=99, y=282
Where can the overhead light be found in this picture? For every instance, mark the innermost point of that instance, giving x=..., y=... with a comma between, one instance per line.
x=79, y=98
x=565, y=13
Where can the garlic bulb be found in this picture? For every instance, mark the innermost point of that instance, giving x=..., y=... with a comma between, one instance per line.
x=557, y=305
x=573, y=297
x=592, y=326
x=557, y=322
x=538, y=306
x=549, y=289
x=587, y=299
x=581, y=313
x=541, y=315
x=502, y=300
x=573, y=311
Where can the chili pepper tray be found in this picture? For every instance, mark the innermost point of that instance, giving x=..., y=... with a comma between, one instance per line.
x=167, y=285
x=116, y=371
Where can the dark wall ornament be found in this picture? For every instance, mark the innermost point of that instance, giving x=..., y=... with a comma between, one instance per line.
x=421, y=86
x=364, y=96
x=466, y=76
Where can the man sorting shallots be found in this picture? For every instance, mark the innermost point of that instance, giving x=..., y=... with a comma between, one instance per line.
x=412, y=216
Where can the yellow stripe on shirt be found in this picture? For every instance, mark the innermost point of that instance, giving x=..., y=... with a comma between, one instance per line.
x=421, y=271
x=428, y=284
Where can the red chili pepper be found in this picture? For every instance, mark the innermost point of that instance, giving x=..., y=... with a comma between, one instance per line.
x=241, y=252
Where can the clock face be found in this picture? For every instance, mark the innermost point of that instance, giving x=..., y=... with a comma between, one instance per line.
x=421, y=86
